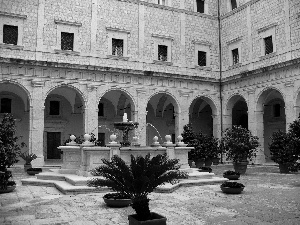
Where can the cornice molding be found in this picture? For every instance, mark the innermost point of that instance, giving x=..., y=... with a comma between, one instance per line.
x=262, y=29
x=162, y=36
x=116, y=29
x=13, y=15
x=70, y=23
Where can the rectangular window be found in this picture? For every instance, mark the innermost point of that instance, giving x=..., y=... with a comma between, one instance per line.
x=235, y=56
x=5, y=105
x=67, y=41
x=201, y=58
x=10, y=34
x=200, y=6
x=100, y=109
x=233, y=4
x=268, y=45
x=276, y=110
x=162, y=52
x=54, y=108
x=117, y=47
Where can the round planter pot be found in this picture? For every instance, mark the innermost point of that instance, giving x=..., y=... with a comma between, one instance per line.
x=32, y=173
x=8, y=189
x=240, y=167
x=199, y=163
x=27, y=166
x=232, y=177
x=117, y=203
x=283, y=168
x=156, y=220
x=208, y=163
x=215, y=161
x=229, y=190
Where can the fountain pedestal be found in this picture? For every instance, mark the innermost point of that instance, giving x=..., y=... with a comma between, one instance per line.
x=125, y=127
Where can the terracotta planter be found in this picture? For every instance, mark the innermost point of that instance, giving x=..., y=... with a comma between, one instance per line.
x=8, y=189
x=156, y=220
x=229, y=190
x=33, y=172
x=232, y=177
x=215, y=161
x=199, y=162
x=27, y=166
x=117, y=203
x=240, y=167
x=283, y=168
x=208, y=162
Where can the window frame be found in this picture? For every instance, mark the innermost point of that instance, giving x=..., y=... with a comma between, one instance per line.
x=15, y=43
x=231, y=5
x=112, y=47
x=62, y=41
x=116, y=33
x=205, y=59
x=265, y=45
x=158, y=56
x=234, y=61
x=264, y=33
x=203, y=47
x=162, y=40
x=205, y=7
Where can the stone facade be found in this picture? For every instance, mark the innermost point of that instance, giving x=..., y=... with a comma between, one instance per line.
x=94, y=88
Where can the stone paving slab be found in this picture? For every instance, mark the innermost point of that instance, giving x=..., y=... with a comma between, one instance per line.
x=268, y=198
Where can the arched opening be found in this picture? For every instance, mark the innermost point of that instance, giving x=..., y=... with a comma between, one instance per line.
x=64, y=108
x=161, y=117
x=240, y=114
x=15, y=100
x=111, y=108
x=201, y=116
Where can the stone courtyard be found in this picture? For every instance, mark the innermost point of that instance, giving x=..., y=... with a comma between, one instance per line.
x=268, y=198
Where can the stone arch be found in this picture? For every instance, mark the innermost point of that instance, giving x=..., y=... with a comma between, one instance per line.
x=270, y=117
x=202, y=115
x=161, y=119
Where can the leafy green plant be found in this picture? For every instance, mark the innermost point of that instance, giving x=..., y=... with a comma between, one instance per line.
x=9, y=149
x=28, y=157
x=138, y=179
x=232, y=185
x=283, y=148
x=239, y=144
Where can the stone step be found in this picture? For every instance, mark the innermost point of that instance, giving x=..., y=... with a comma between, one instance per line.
x=63, y=186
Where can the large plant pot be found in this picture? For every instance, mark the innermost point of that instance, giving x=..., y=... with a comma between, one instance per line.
x=27, y=166
x=8, y=189
x=240, y=167
x=283, y=168
x=229, y=190
x=208, y=162
x=199, y=162
x=34, y=171
x=117, y=203
x=156, y=220
x=215, y=161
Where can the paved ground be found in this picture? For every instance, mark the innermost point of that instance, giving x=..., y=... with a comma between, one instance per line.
x=268, y=198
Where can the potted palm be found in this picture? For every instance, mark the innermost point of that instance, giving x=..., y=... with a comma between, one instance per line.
x=283, y=150
x=9, y=152
x=137, y=180
x=28, y=158
x=240, y=146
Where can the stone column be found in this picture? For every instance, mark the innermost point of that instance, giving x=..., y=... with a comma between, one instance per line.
x=290, y=113
x=140, y=116
x=216, y=126
x=91, y=112
x=36, y=127
x=182, y=117
x=260, y=158
x=251, y=112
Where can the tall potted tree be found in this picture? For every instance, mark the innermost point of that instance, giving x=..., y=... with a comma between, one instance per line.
x=240, y=146
x=137, y=180
x=9, y=152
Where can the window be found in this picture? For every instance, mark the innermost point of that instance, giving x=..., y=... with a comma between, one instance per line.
x=162, y=2
x=100, y=109
x=67, y=41
x=117, y=47
x=54, y=108
x=200, y=6
x=162, y=53
x=233, y=4
x=5, y=105
x=268, y=45
x=235, y=56
x=201, y=58
x=10, y=34
x=276, y=110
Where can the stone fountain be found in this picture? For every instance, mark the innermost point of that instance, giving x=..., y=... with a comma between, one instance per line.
x=125, y=127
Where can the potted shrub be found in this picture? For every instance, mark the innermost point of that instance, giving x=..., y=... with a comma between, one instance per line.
x=283, y=150
x=240, y=146
x=9, y=152
x=231, y=175
x=34, y=171
x=28, y=159
x=232, y=187
x=137, y=180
